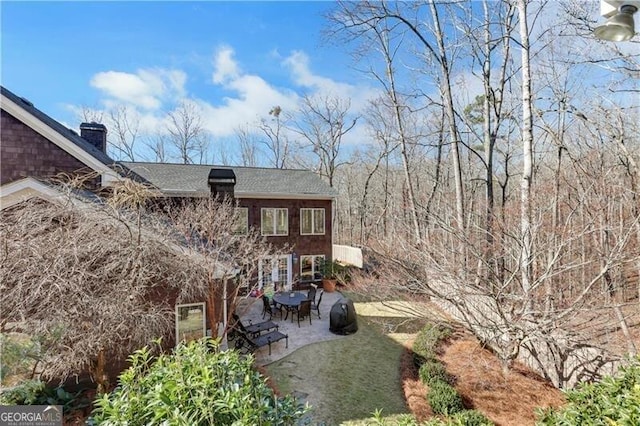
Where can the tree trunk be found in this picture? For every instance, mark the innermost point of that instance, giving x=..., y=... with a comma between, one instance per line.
x=99, y=373
x=527, y=151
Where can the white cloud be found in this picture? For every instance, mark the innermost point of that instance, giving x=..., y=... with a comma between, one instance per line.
x=254, y=98
x=225, y=66
x=249, y=97
x=466, y=87
x=298, y=64
x=147, y=88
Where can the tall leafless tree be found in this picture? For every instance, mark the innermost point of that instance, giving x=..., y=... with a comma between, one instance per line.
x=277, y=142
x=186, y=134
x=323, y=122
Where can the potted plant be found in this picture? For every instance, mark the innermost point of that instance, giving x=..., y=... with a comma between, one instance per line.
x=332, y=274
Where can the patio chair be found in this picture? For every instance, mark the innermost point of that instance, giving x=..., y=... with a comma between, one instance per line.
x=316, y=306
x=246, y=344
x=312, y=295
x=253, y=329
x=268, y=307
x=304, y=310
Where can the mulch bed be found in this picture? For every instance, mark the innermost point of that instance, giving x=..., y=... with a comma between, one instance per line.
x=509, y=399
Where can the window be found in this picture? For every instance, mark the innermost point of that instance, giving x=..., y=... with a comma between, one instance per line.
x=311, y=221
x=275, y=221
x=242, y=221
x=310, y=266
x=190, y=322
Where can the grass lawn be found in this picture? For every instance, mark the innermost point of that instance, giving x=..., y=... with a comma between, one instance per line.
x=349, y=378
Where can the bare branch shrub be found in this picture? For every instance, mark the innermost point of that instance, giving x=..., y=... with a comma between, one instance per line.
x=98, y=279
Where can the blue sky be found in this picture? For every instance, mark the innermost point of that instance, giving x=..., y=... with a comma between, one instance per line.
x=235, y=59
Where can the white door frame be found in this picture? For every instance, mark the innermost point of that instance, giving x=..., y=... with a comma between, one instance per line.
x=262, y=272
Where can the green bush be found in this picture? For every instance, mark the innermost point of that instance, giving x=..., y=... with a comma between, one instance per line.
x=18, y=354
x=26, y=393
x=196, y=385
x=432, y=371
x=418, y=360
x=428, y=338
x=444, y=399
x=613, y=400
x=35, y=392
x=469, y=418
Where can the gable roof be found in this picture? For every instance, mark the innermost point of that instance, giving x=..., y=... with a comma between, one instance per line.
x=191, y=180
x=55, y=132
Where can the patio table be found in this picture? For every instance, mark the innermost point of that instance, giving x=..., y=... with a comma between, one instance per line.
x=289, y=299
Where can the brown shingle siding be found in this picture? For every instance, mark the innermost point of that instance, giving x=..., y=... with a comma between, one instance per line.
x=24, y=152
x=302, y=245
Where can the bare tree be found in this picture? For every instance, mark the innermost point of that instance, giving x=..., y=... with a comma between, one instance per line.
x=526, y=182
x=96, y=280
x=123, y=125
x=186, y=133
x=277, y=141
x=323, y=123
x=248, y=147
x=89, y=115
x=366, y=20
x=158, y=146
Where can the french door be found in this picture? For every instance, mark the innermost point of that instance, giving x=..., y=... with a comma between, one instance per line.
x=275, y=271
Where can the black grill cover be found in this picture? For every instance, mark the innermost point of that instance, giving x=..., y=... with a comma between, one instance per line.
x=342, y=318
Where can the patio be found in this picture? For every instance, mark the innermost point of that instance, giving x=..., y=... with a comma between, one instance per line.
x=250, y=310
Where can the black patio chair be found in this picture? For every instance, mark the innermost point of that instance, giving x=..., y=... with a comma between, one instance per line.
x=268, y=307
x=304, y=310
x=247, y=344
x=316, y=306
x=312, y=294
x=253, y=329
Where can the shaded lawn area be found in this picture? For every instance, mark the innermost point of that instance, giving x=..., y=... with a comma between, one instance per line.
x=345, y=379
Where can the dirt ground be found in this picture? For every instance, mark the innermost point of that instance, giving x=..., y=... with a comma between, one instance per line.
x=506, y=400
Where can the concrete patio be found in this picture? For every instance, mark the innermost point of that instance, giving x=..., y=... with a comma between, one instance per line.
x=250, y=309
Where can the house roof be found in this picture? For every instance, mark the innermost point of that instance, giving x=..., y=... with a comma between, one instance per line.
x=191, y=180
x=64, y=131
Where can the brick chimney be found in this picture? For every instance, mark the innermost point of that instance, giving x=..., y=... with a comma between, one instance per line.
x=222, y=182
x=95, y=134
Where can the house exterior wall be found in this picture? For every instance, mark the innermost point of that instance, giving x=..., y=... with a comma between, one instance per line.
x=301, y=245
x=24, y=152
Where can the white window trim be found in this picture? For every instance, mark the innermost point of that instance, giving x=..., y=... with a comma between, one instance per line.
x=315, y=266
x=313, y=221
x=261, y=270
x=246, y=224
x=204, y=319
x=275, y=222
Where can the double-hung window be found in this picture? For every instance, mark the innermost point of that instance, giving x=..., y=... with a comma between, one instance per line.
x=275, y=221
x=310, y=266
x=311, y=221
x=242, y=221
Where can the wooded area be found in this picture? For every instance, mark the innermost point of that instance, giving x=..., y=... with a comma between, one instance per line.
x=499, y=174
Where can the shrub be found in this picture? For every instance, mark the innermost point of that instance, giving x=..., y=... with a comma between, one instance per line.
x=470, y=418
x=432, y=371
x=428, y=338
x=35, y=392
x=196, y=385
x=26, y=393
x=418, y=360
x=444, y=398
x=613, y=400
x=19, y=354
